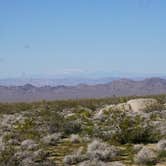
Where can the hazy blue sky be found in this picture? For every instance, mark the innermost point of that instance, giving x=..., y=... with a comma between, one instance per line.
x=64, y=36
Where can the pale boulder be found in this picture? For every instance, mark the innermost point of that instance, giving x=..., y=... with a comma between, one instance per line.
x=122, y=107
x=142, y=104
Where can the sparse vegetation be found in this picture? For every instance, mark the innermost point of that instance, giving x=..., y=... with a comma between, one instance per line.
x=56, y=129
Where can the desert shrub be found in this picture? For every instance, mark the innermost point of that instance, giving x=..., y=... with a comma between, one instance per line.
x=85, y=115
x=123, y=99
x=160, y=98
x=146, y=156
x=7, y=156
x=56, y=123
x=26, y=130
x=72, y=127
x=11, y=108
x=101, y=151
x=74, y=138
x=137, y=147
x=75, y=158
x=123, y=128
x=154, y=116
x=7, y=137
x=51, y=139
x=93, y=163
x=46, y=163
x=136, y=129
x=53, y=120
x=162, y=155
x=88, y=130
x=154, y=107
x=161, y=145
x=103, y=132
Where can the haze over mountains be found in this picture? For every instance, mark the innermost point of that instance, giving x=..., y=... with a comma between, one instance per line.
x=71, y=81
x=73, y=78
x=121, y=87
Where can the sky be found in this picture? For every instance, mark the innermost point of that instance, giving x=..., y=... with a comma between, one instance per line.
x=51, y=37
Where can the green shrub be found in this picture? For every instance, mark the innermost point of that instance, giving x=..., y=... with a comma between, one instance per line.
x=162, y=155
x=155, y=107
x=123, y=128
x=26, y=130
x=52, y=119
x=7, y=157
x=136, y=130
x=72, y=127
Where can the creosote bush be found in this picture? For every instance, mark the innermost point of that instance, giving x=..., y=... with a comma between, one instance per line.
x=75, y=158
x=136, y=130
x=26, y=130
x=57, y=123
x=74, y=138
x=72, y=127
x=101, y=151
x=7, y=157
x=146, y=156
x=123, y=128
x=154, y=107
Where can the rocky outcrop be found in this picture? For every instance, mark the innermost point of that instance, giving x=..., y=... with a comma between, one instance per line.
x=138, y=105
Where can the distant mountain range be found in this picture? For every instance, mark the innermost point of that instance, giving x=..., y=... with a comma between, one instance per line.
x=73, y=77
x=67, y=81
x=121, y=87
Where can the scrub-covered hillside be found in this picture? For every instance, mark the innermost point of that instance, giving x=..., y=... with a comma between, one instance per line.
x=90, y=132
